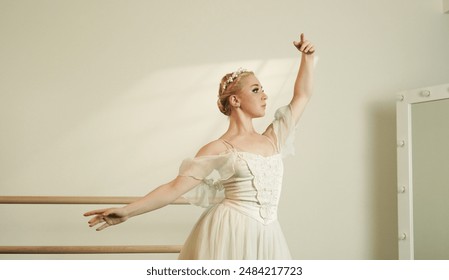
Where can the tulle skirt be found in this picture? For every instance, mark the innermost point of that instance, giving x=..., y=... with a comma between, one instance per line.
x=224, y=233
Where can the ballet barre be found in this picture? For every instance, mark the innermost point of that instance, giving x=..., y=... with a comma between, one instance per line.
x=90, y=249
x=76, y=200
x=84, y=249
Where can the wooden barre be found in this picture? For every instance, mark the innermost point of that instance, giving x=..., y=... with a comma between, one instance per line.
x=75, y=200
x=89, y=249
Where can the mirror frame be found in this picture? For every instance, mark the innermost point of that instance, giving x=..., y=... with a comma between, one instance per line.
x=404, y=161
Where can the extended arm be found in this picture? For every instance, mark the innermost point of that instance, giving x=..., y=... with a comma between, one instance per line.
x=159, y=197
x=304, y=80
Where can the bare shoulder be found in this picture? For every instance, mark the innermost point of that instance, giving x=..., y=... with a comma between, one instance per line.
x=215, y=147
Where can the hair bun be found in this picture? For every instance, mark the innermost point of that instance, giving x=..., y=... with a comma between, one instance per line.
x=222, y=108
x=229, y=85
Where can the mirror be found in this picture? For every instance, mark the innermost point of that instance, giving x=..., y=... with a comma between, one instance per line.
x=423, y=173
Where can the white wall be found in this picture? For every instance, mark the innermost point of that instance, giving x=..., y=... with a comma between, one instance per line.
x=107, y=97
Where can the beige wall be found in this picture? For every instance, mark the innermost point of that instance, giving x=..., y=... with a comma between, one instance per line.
x=107, y=98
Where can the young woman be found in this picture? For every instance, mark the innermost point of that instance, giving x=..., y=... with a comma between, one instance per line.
x=244, y=224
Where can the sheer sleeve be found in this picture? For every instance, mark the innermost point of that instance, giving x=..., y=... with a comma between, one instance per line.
x=211, y=170
x=284, y=127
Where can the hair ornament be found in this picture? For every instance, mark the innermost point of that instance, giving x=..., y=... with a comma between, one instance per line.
x=233, y=77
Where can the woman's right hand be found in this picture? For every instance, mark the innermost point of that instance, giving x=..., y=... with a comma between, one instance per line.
x=304, y=45
x=109, y=217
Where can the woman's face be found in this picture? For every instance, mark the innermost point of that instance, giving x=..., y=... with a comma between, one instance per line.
x=252, y=97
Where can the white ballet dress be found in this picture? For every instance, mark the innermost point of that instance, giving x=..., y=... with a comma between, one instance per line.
x=243, y=225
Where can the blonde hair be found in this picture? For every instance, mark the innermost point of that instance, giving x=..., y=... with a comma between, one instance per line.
x=230, y=85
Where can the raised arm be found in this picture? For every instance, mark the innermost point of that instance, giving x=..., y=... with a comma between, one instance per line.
x=304, y=80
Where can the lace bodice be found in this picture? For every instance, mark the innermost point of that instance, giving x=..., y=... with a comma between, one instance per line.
x=253, y=188
x=262, y=186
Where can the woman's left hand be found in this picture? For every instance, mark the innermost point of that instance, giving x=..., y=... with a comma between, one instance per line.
x=304, y=46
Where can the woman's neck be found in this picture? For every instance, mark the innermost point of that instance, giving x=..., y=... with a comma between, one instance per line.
x=240, y=125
